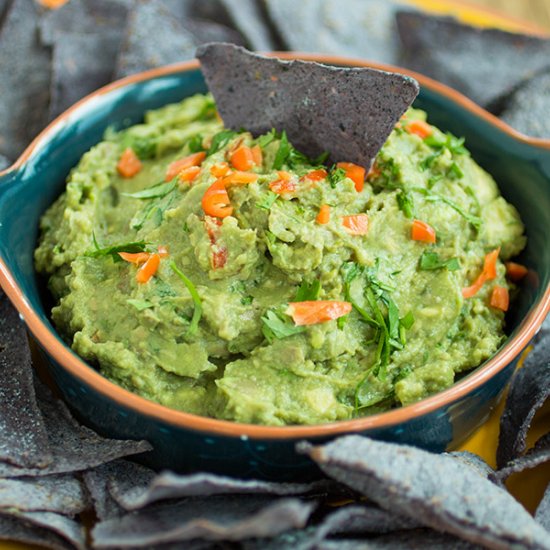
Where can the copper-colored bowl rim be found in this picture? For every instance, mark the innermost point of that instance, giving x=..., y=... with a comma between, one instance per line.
x=86, y=374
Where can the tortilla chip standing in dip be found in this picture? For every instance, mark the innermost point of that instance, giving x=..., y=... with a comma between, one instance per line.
x=248, y=275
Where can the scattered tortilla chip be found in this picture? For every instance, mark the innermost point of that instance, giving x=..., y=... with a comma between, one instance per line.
x=133, y=492
x=529, y=389
x=63, y=494
x=18, y=530
x=473, y=461
x=74, y=447
x=410, y=540
x=81, y=64
x=527, y=110
x=85, y=17
x=436, y=490
x=54, y=527
x=23, y=438
x=247, y=17
x=542, y=515
x=97, y=482
x=484, y=64
x=348, y=112
x=229, y=518
x=539, y=454
x=154, y=37
x=25, y=81
x=356, y=28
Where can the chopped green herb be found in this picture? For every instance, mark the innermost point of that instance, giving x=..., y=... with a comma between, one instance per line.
x=407, y=321
x=431, y=260
x=113, y=250
x=336, y=175
x=220, y=140
x=197, y=310
x=266, y=139
x=140, y=305
x=247, y=300
x=430, y=159
x=143, y=147
x=308, y=291
x=156, y=191
x=405, y=203
x=267, y=200
x=453, y=144
x=274, y=326
x=455, y=171
x=341, y=321
x=195, y=144
x=321, y=159
x=282, y=152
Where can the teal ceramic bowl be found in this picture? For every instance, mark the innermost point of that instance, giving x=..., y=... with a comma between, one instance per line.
x=186, y=442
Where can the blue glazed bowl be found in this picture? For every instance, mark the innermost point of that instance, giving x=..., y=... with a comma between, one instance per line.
x=186, y=442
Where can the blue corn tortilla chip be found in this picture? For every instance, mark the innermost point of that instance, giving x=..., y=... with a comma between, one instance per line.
x=437, y=490
x=542, y=515
x=99, y=479
x=357, y=28
x=74, y=447
x=64, y=494
x=473, y=461
x=539, y=454
x=529, y=390
x=484, y=64
x=247, y=17
x=54, y=527
x=527, y=109
x=84, y=17
x=24, y=87
x=204, y=31
x=23, y=438
x=81, y=64
x=19, y=530
x=142, y=488
x=348, y=112
x=228, y=518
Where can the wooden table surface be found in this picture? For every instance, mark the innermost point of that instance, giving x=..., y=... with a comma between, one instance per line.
x=534, y=11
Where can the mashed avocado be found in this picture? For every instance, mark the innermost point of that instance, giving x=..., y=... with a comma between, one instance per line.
x=207, y=327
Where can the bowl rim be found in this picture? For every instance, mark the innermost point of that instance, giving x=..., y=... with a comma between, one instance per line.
x=78, y=368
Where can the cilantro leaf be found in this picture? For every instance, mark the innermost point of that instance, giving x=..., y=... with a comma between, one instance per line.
x=197, y=310
x=156, y=191
x=274, y=326
x=405, y=203
x=195, y=144
x=308, y=291
x=220, y=140
x=282, y=152
x=113, y=250
x=335, y=176
x=431, y=260
x=266, y=139
x=407, y=321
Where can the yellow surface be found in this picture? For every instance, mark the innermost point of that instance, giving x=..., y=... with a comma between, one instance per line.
x=527, y=487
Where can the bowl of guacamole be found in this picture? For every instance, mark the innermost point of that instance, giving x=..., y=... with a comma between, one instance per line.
x=224, y=296
x=232, y=277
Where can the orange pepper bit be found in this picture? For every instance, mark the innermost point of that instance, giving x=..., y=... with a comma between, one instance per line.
x=515, y=272
x=357, y=224
x=419, y=128
x=215, y=201
x=128, y=164
x=239, y=178
x=500, y=298
x=284, y=184
x=488, y=273
x=242, y=158
x=317, y=311
x=148, y=269
x=174, y=168
x=423, y=232
x=257, y=155
x=189, y=174
x=324, y=214
x=134, y=257
x=219, y=253
x=355, y=173
x=315, y=175
x=220, y=169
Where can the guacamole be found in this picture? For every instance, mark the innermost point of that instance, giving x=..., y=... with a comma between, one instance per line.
x=233, y=277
